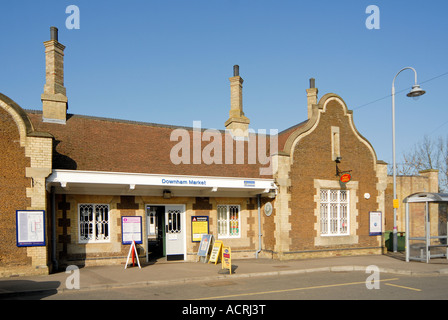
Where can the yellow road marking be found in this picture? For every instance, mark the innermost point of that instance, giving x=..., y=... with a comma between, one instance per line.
x=409, y=288
x=288, y=290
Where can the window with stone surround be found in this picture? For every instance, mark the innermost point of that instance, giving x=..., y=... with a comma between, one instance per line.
x=229, y=221
x=93, y=223
x=334, y=212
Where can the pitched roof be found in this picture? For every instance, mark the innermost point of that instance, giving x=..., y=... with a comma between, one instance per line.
x=101, y=144
x=284, y=135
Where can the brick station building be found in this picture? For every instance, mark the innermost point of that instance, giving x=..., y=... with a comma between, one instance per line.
x=87, y=174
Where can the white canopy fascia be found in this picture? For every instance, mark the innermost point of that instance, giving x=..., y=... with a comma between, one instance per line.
x=120, y=183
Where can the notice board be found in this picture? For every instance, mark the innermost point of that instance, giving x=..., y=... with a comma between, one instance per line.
x=30, y=228
x=199, y=227
x=131, y=230
x=375, y=219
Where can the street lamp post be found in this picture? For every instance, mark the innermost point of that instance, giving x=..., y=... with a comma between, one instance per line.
x=416, y=91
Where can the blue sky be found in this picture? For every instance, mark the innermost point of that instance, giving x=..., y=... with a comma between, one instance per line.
x=169, y=61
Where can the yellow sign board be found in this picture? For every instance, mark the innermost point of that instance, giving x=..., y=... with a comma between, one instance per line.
x=396, y=204
x=199, y=227
x=216, y=250
x=227, y=259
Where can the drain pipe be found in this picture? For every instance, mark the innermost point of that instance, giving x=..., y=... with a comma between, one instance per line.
x=259, y=225
x=53, y=230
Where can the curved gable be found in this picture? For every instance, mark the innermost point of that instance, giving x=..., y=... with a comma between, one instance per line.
x=26, y=161
x=329, y=101
x=19, y=115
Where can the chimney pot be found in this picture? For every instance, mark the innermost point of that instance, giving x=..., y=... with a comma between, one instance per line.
x=54, y=33
x=312, y=83
x=236, y=70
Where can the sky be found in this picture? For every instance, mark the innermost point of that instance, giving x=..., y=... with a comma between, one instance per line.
x=169, y=61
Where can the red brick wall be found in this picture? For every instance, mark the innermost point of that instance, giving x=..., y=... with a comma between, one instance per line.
x=13, y=184
x=313, y=160
x=268, y=226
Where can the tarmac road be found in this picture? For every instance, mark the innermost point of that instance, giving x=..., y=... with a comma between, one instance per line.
x=347, y=285
x=253, y=279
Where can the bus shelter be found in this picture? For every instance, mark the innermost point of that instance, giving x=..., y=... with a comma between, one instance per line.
x=426, y=226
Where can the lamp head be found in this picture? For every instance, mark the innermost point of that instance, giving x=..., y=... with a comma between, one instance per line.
x=416, y=91
x=166, y=194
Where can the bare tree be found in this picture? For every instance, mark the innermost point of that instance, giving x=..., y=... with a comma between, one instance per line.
x=443, y=166
x=427, y=154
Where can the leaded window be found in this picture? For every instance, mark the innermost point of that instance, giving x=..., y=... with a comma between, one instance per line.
x=334, y=212
x=174, y=221
x=94, y=223
x=229, y=221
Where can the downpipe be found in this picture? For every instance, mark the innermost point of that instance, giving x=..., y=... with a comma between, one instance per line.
x=259, y=225
x=53, y=231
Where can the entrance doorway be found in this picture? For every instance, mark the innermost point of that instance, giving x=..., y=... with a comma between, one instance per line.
x=165, y=225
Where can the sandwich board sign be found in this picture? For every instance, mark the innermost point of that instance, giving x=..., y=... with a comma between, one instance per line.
x=204, y=247
x=133, y=250
x=216, y=250
x=227, y=259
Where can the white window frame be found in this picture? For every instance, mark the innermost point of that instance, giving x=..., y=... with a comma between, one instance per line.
x=94, y=223
x=334, y=209
x=224, y=225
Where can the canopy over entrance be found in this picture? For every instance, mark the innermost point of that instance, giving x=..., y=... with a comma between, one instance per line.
x=120, y=183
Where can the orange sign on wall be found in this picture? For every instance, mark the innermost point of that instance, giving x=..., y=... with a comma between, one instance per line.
x=346, y=178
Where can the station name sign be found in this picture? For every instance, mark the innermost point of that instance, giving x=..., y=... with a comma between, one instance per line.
x=190, y=182
x=199, y=182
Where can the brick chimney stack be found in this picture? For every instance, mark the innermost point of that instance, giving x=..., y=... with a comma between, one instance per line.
x=311, y=95
x=54, y=98
x=237, y=123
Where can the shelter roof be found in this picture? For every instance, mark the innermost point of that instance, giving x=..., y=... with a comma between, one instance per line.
x=426, y=197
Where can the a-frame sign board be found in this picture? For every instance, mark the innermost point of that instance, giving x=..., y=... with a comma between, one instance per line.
x=216, y=251
x=133, y=250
